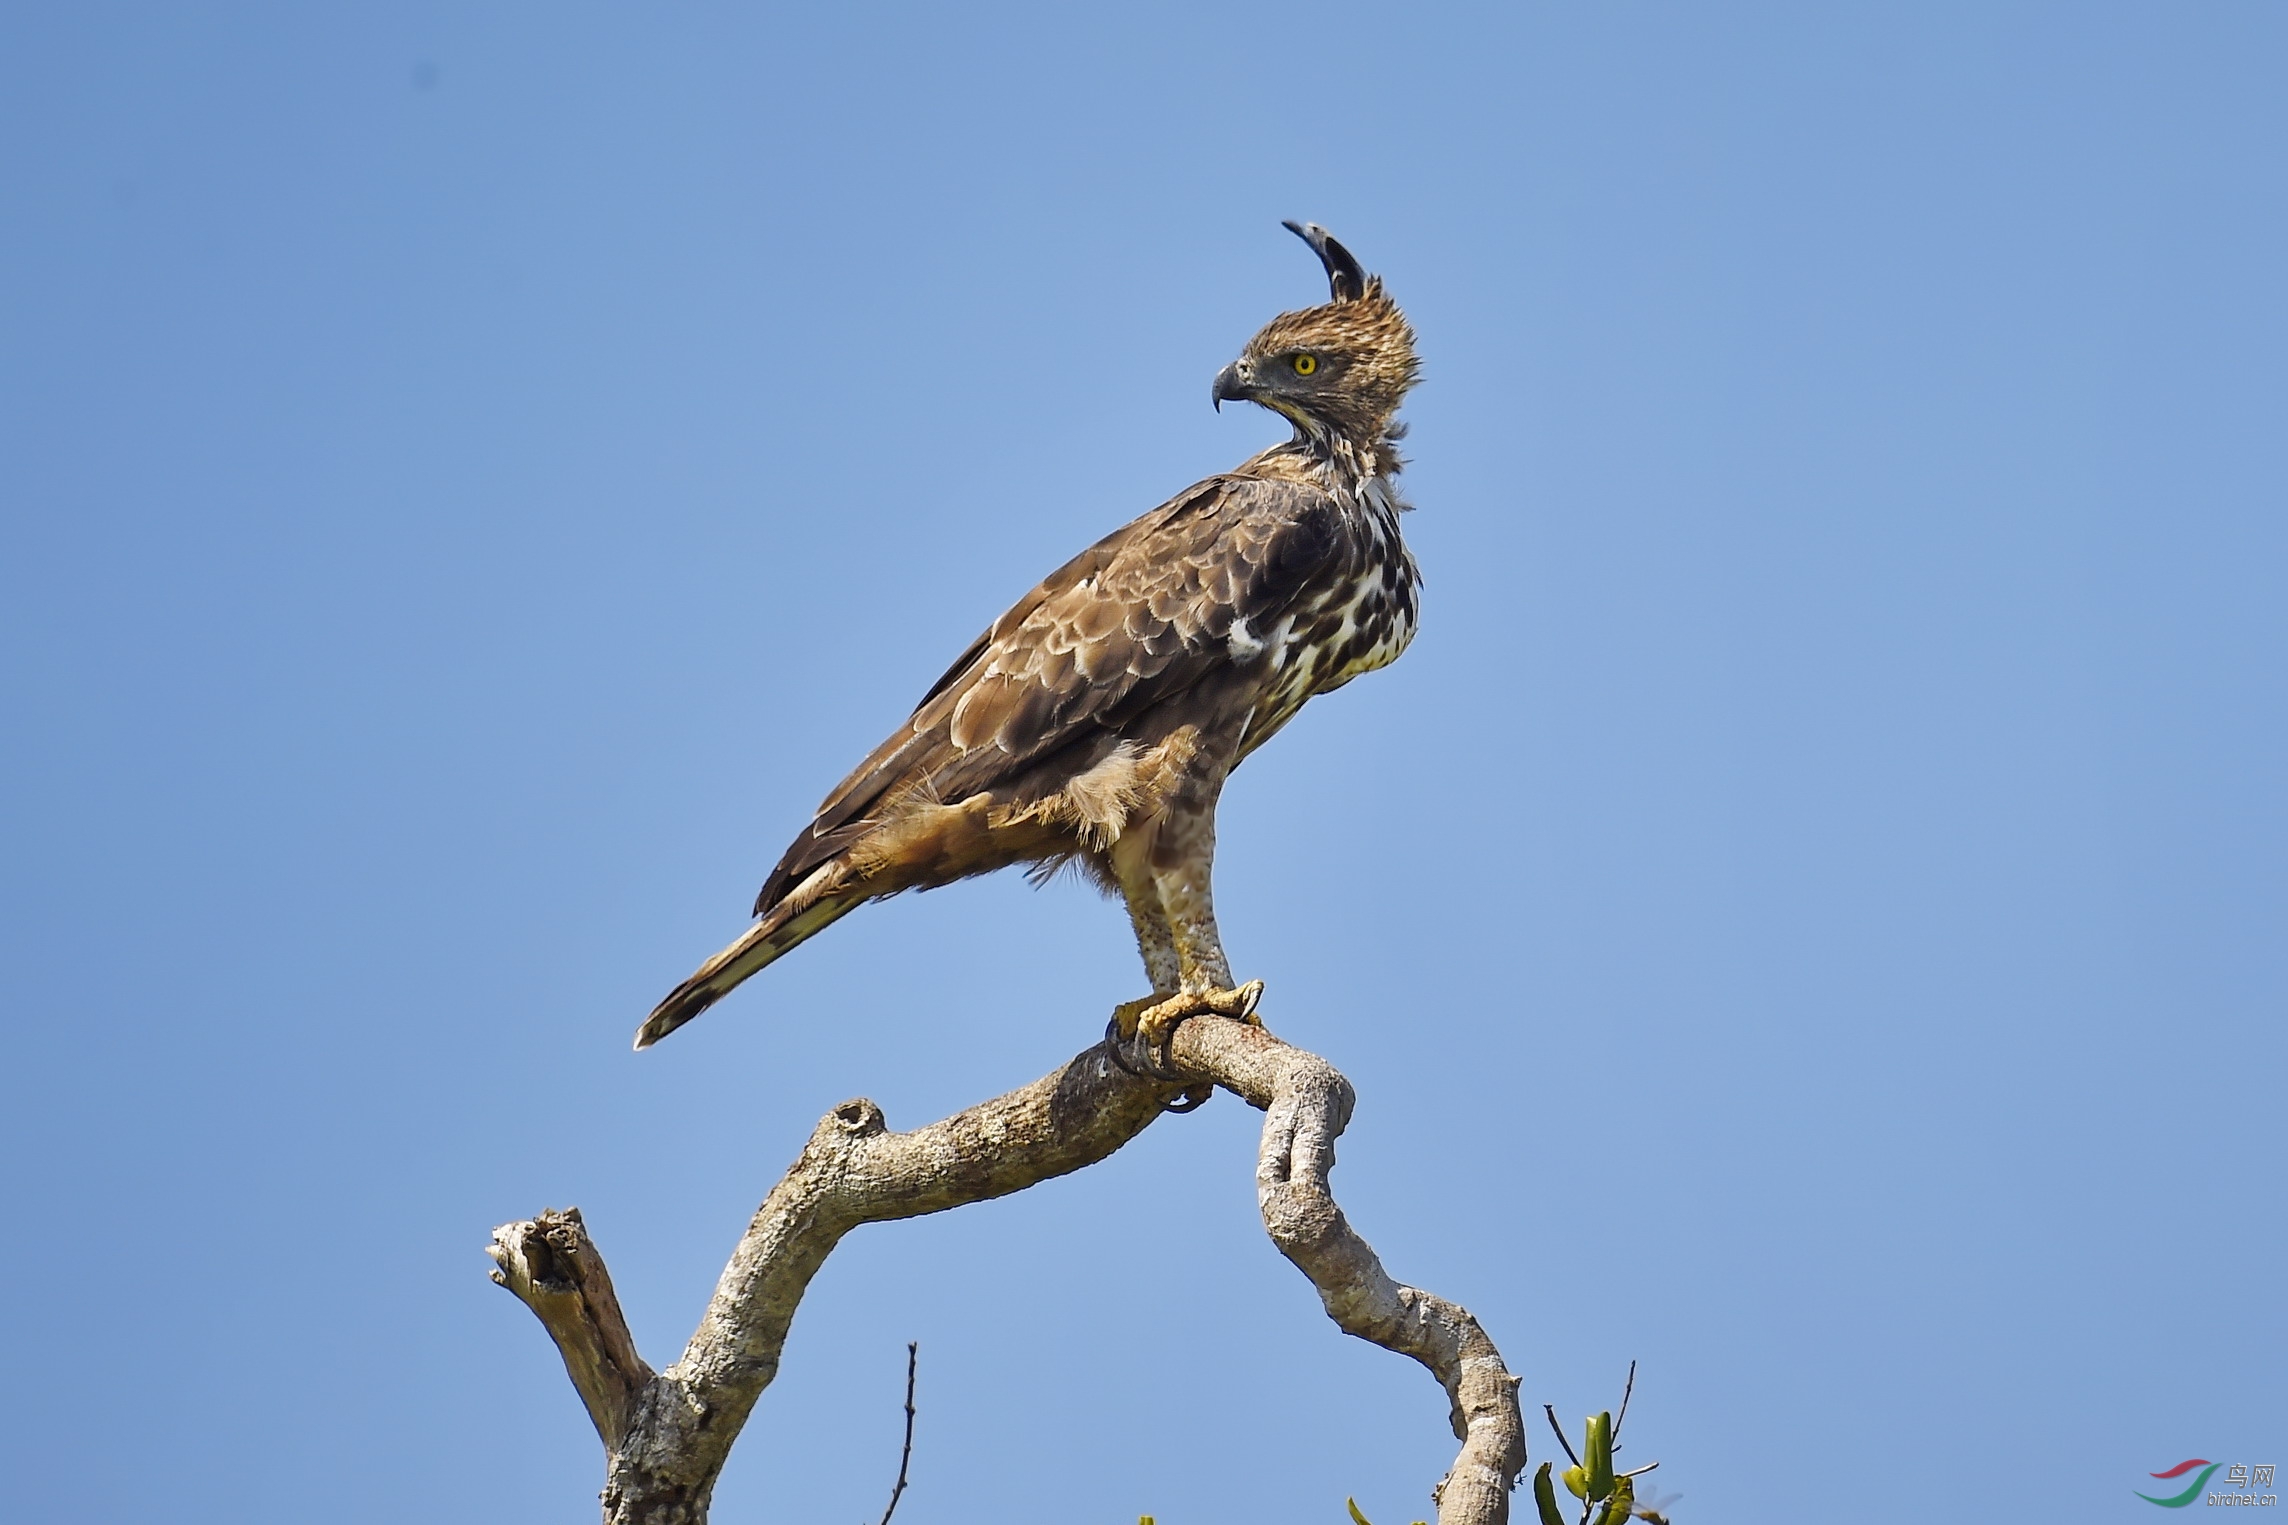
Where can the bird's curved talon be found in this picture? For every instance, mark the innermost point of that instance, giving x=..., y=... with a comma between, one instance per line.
x=1194, y=1098
x=1141, y=1050
x=1138, y=1033
x=1127, y=1051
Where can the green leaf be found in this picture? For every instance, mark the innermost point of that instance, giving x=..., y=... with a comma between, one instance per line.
x=1545, y=1498
x=1599, y=1461
x=1576, y=1482
x=1355, y=1515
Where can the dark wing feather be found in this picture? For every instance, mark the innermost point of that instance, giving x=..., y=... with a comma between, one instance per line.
x=1137, y=618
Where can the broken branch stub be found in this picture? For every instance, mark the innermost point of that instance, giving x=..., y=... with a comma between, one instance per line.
x=552, y=1266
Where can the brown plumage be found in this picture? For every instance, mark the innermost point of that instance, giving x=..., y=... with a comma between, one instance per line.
x=1096, y=721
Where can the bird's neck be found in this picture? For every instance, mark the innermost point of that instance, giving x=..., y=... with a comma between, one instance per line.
x=1352, y=458
x=1364, y=482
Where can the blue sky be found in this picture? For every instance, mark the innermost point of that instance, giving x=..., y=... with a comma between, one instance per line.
x=1806, y=915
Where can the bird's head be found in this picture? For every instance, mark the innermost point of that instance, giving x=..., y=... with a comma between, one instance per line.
x=1337, y=371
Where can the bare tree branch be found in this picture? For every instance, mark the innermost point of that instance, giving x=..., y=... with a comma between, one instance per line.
x=550, y=1263
x=1551, y=1410
x=667, y=1435
x=906, y=1456
x=1307, y=1105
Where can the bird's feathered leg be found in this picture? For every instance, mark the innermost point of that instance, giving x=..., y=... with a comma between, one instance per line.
x=1154, y=941
x=1182, y=865
x=1165, y=875
x=1157, y=944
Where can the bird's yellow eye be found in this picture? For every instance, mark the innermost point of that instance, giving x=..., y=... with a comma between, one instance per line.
x=1306, y=364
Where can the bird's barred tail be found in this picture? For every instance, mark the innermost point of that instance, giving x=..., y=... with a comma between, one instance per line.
x=720, y=975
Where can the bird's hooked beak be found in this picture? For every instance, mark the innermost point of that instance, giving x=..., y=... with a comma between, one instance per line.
x=1232, y=384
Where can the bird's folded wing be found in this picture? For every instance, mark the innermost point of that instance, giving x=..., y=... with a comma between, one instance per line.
x=1139, y=617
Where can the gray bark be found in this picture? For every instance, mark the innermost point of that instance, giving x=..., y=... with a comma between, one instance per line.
x=667, y=1434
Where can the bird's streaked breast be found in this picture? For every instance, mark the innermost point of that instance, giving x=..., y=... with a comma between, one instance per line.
x=1361, y=616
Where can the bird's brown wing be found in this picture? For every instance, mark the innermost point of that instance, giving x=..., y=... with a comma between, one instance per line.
x=1136, y=619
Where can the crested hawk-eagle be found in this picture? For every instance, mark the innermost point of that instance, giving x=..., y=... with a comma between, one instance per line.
x=1095, y=722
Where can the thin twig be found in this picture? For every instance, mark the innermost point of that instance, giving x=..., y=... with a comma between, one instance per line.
x=1625, y=1392
x=905, y=1458
x=1551, y=1410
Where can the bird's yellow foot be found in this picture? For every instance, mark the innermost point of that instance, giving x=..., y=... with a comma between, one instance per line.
x=1139, y=1031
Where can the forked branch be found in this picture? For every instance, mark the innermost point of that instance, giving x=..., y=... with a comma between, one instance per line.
x=667, y=1434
